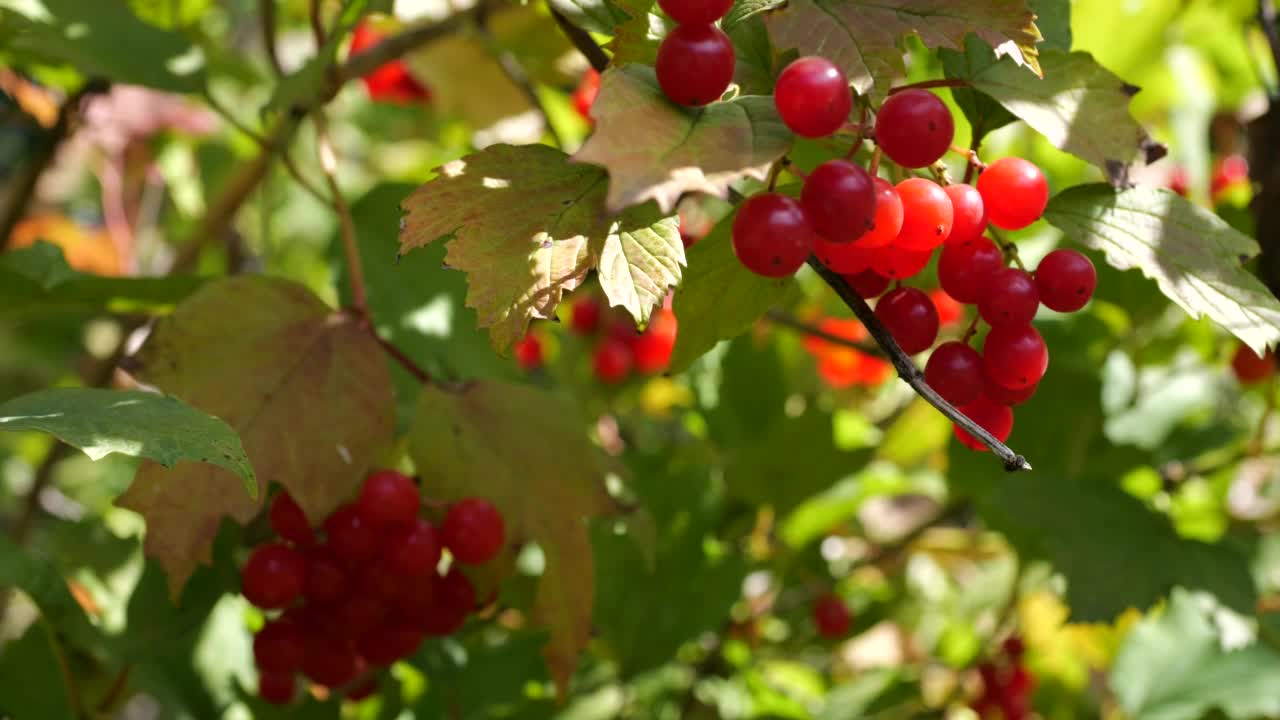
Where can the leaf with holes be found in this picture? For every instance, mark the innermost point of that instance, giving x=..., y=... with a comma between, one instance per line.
x=864, y=38
x=655, y=150
x=526, y=225
x=517, y=447
x=306, y=388
x=1191, y=253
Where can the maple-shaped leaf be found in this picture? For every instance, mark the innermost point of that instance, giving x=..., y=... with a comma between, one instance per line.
x=656, y=150
x=516, y=446
x=306, y=388
x=863, y=36
x=526, y=225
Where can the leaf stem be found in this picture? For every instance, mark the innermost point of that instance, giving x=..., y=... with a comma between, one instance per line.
x=267, y=18
x=1009, y=250
x=346, y=225
x=404, y=360
x=787, y=320
x=908, y=371
x=924, y=85
x=581, y=40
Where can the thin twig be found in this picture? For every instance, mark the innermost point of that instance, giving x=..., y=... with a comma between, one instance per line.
x=346, y=225
x=786, y=319
x=908, y=371
x=317, y=24
x=1009, y=250
x=116, y=690
x=285, y=157
x=401, y=44
x=944, y=82
x=975, y=163
x=581, y=40
x=267, y=17
x=404, y=360
x=516, y=73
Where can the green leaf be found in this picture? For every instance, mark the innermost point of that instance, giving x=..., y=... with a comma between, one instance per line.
x=759, y=474
x=526, y=225
x=597, y=16
x=519, y=448
x=39, y=278
x=1172, y=666
x=306, y=388
x=103, y=39
x=719, y=298
x=656, y=150
x=138, y=424
x=863, y=36
x=39, y=579
x=982, y=111
x=1193, y=255
x=753, y=68
x=1053, y=18
x=34, y=682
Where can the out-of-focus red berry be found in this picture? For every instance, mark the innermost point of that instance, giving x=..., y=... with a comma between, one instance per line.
x=392, y=81
x=585, y=94
x=528, y=352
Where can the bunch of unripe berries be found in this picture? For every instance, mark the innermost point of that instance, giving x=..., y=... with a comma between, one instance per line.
x=366, y=589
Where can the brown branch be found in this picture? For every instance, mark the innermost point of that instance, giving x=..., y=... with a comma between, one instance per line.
x=944, y=82
x=401, y=44
x=317, y=24
x=785, y=319
x=581, y=40
x=267, y=18
x=908, y=371
x=404, y=360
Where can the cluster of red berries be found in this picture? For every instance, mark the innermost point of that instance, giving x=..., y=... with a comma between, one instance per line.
x=391, y=82
x=831, y=616
x=1007, y=685
x=369, y=592
x=1229, y=172
x=619, y=348
x=1249, y=368
x=696, y=59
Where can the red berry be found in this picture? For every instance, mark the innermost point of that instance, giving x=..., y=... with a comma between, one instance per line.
x=473, y=531
x=414, y=550
x=772, y=235
x=330, y=663
x=584, y=315
x=969, y=215
x=867, y=284
x=888, y=218
x=1015, y=356
x=585, y=94
x=949, y=311
x=326, y=578
x=1013, y=647
x=1228, y=171
x=1249, y=368
x=363, y=689
x=379, y=581
x=910, y=317
x=991, y=416
x=1010, y=298
x=899, y=263
x=1066, y=280
x=528, y=352
x=695, y=64
x=840, y=200
x=352, y=538
x=279, y=646
x=1003, y=395
x=1179, y=182
x=288, y=520
x=844, y=258
x=695, y=12
x=927, y=215
x=273, y=576
x=812, y=97
x=914, y=128
x=612, y=360
x=955, y=371
x=390, y=82
x=357, y=615
x=453, y=600
x=276, y=688
x=831, y=616
x=389, y=642
x=652, y=348
x=388, y=499
x=965, y=269
x=1014, y=192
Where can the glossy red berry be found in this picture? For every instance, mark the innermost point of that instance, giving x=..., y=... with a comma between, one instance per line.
x=1015, y=356
x=1014, y=192
x=1010, y=298
x=888, y=218
x=329, y=662
x=695, y=12
x=528, y=352
x=695, y=64
x=452, y=601
x=279, y=646
x=277, y=688
x=812, y=97
x=772, y=235
x=965, y=269
x=584, y=315
x=844, y=258
x=868, y=283
x=584, y=96
x=1003, y=395
x=926, y=215
x=652, y=348
x=1249, y=368
x=969, y=215
x=914, y=128
x=831, y=616
x=1066, y=280
x=911, y=318
x=473, y=531
x=612, y=360
x=289, y=522
x=991, y=416
x=840, y=200
x=326, y=577
x=388, y=499
x=414, y=550
x=273, y=576
x=391, y=641
x=899, y=263
x=955, y=371
x=353, y=539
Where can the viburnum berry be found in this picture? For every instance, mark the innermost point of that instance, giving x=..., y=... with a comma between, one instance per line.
x=1249, y=368
x=868, y=283
x=273, y=576
x=473, y=531
x=1015, y=356
x=276, y=688
x=528, y=352
x=584, y=96
x=413, y=550
x=910, y=317
x=955, y=371
x=363, y=690
x=888, y=218
x=388, y=499
x=772, y=235
x=452, y=601
x=584, y=315
x=844, y=258
x=326, y=578
x=695, y=64
x=991, y=416
x=391, y=641
x=831, y=616
x=289, y=522
x=926, y=215
x=812, y=97
x=949, y=311
x=1066, y=280
x=840, y=199
x=356, y=615
x=969, y=214
x=1014, y=192
x=1228, y=171
x=695, y=12
x=1010, y=298
x=652, y=348
x=1003, y=395
x=612, y=360
x=389, y=82
x=965, y=269
x=1013, y=647
x=330, y=663
x=914, y=128
x=279, y=646
x=899, y=263
x=352, y=537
